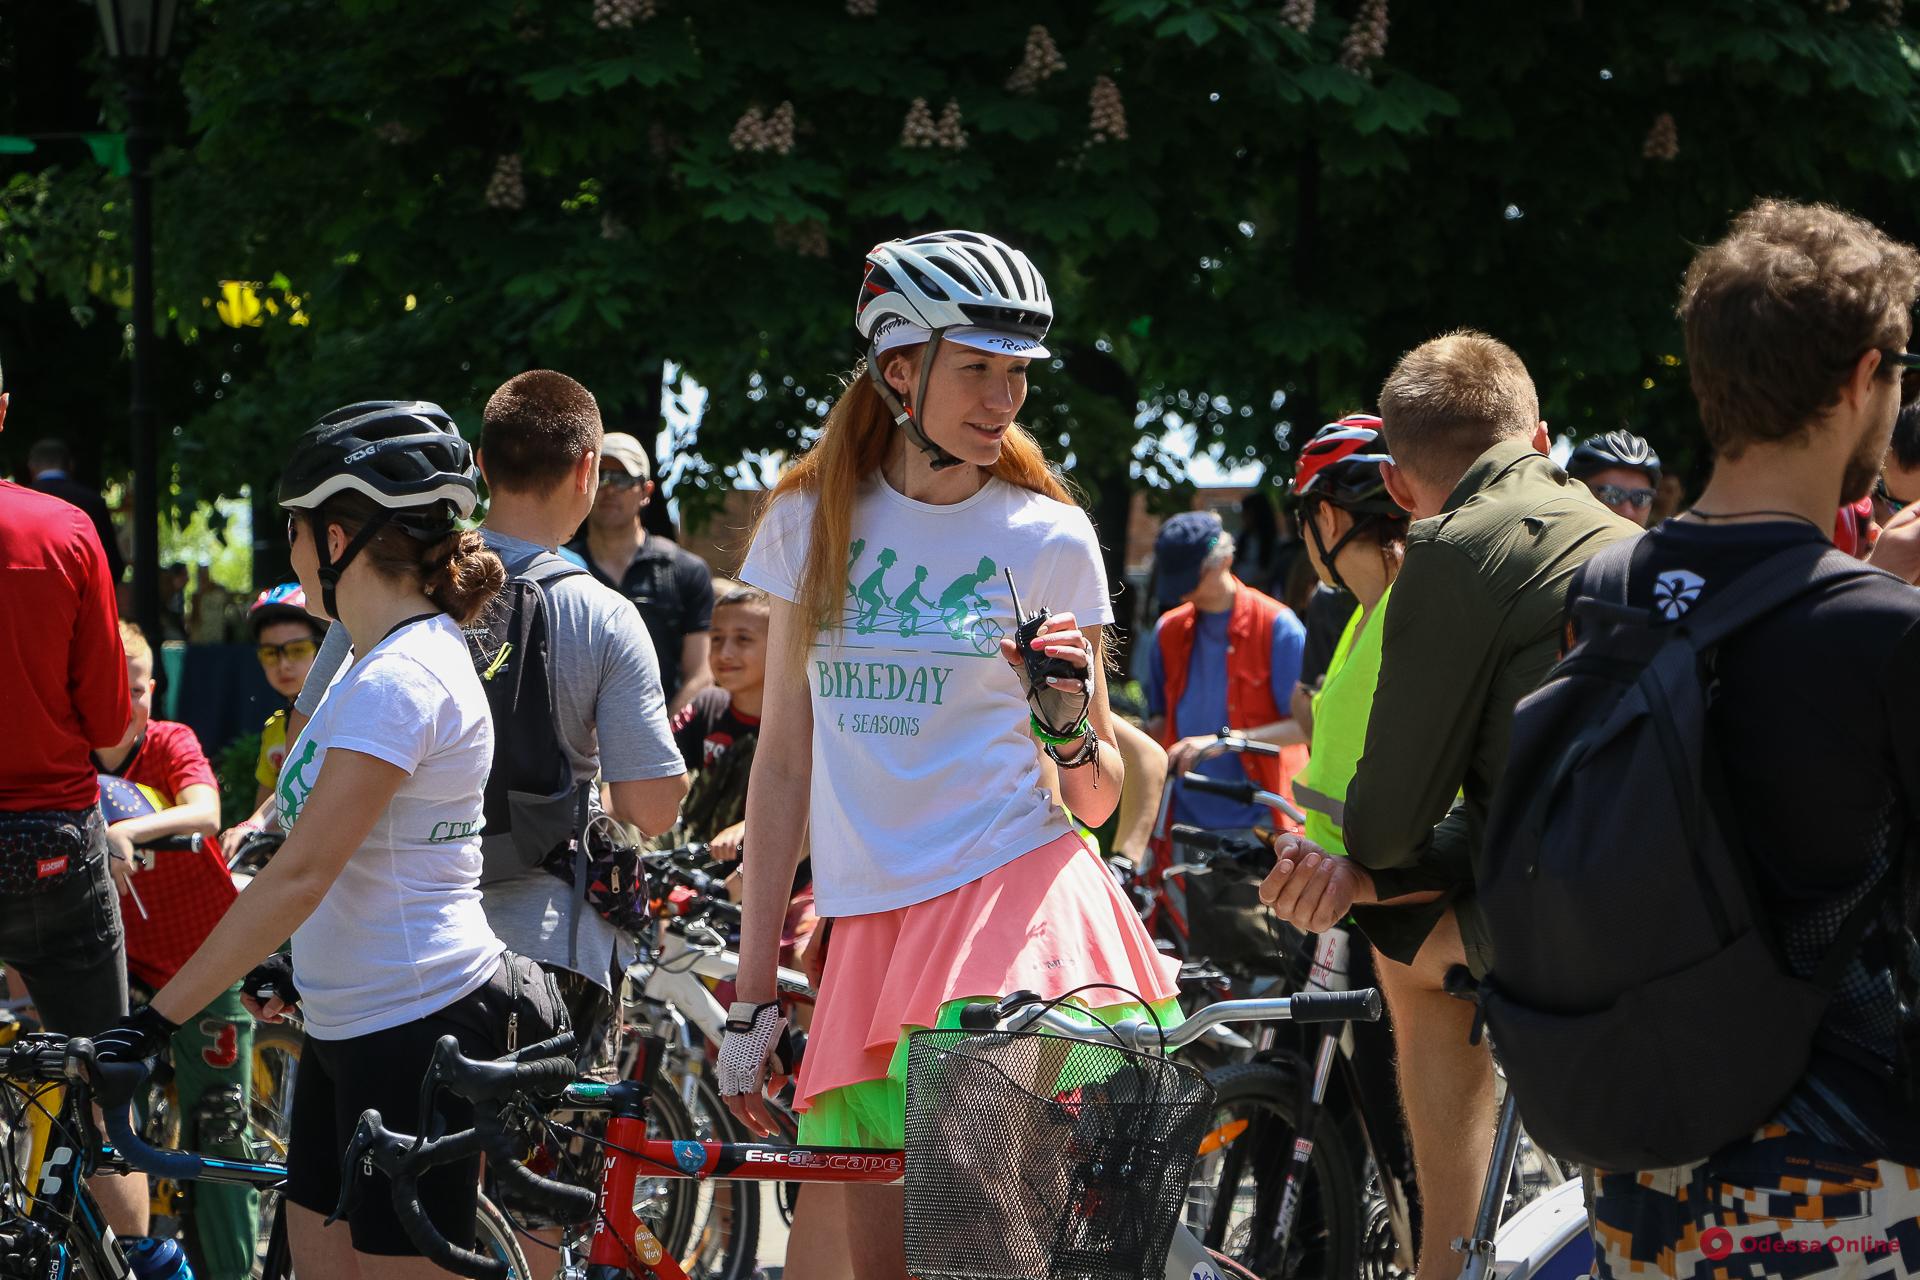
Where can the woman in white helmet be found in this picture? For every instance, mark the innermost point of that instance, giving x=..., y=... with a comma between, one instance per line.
x=914, y=747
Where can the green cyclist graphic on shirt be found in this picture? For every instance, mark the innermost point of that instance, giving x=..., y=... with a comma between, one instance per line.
x=961, y=610
x=294, y=786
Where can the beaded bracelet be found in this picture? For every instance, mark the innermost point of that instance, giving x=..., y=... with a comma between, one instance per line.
x=1052, y=739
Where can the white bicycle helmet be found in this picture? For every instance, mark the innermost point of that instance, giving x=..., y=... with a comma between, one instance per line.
x=954, y=286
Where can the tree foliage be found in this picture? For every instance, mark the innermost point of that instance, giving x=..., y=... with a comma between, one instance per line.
x=433, y=194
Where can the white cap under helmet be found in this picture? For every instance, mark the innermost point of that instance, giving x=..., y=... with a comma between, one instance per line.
x=948, y=286
x=982, y=292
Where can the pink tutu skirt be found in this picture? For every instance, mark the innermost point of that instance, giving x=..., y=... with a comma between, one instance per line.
x=1049, y=922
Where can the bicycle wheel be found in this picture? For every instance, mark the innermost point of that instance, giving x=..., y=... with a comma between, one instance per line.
x=493, y=1237
x=1234, y=1198
x=276, y=1060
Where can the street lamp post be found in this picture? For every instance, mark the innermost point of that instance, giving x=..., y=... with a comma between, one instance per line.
x=136, y=34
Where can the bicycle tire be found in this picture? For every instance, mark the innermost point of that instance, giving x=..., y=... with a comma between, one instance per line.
x=276, y=1061
x=493, y=1237
x=1236, y=1187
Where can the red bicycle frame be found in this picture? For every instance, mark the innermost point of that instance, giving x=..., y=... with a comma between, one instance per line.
x=625, y=1245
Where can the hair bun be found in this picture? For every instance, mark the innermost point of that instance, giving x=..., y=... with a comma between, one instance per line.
x=462, y=576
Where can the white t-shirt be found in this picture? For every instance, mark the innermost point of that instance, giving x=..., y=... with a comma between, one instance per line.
x=401, y=933
x=925, y=777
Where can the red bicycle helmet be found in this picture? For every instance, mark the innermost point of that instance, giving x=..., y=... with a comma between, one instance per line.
x=1341, y=464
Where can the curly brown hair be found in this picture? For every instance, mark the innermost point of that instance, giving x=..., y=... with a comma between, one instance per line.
x=1779, y=311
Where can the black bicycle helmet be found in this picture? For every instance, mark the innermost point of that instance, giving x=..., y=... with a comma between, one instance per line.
x=1614, y=449
x=406, y=456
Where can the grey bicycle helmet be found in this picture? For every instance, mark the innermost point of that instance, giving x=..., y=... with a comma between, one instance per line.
x=1614, y=449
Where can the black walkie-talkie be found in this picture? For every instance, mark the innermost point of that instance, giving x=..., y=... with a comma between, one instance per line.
x=1041, y=667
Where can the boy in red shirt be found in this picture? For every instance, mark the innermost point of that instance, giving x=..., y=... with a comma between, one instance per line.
x=213, y=1052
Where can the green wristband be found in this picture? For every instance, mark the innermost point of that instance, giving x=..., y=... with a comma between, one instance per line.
x=1040, y=731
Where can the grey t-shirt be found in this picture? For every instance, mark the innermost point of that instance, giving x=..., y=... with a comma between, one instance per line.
x=612, y=717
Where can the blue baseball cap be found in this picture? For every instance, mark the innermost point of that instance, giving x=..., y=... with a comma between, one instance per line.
x=1183, y=546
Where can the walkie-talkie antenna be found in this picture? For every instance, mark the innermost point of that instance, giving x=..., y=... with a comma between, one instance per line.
x=1018, y=615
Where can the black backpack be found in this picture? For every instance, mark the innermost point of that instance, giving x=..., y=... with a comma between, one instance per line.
x=532, y=806
x=1640, y=1002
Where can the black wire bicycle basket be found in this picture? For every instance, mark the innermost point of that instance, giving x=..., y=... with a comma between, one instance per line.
x=1035, y=1155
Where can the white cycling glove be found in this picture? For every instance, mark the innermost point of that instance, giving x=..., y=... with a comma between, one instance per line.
x=756, y=1041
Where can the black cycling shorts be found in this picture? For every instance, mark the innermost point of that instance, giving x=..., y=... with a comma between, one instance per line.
x=339, y=1079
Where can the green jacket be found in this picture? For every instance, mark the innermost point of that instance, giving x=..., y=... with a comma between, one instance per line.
x=1476, y=619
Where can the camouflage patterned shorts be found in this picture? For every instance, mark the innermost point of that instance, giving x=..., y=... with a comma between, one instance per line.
x=1782, y=1205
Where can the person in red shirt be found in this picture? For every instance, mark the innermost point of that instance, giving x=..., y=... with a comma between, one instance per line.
x=161, y=754
x=63, y=682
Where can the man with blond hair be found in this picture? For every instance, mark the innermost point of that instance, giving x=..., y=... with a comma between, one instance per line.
x=1475, y=622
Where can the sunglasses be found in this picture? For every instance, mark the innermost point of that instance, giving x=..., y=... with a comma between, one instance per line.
x=619, y=480
x=1614, y=496
x=293, y=526
x=1909, y=363
x=1880, y=492
x=291, y=651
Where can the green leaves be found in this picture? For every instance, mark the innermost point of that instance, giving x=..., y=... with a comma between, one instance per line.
x=1273, y=227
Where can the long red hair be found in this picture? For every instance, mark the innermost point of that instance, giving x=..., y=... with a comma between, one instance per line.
x=853, y=445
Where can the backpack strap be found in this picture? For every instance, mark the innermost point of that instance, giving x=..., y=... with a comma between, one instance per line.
x=1783, y=577
x=1603, y=587
x=1780, y=579
x=543, y=568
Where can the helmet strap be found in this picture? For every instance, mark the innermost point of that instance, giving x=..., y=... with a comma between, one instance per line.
x=331, y=569
x=937, y=458
x=1330, y=555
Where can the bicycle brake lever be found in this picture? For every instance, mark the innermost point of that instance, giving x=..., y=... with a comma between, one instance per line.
x=356, y=1162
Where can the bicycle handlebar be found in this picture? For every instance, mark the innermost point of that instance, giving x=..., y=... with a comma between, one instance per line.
x=1244, y=792
x=540, y=1070
x=1242, y=851
x=49, y=1057
x=1241, y=744
x=185, y=843
x=1025, y=1011
x=403, y=1160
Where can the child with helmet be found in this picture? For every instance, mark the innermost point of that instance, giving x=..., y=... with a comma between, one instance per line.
x=285, y=637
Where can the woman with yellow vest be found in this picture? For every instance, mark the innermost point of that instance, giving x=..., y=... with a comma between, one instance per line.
x=1356, y=537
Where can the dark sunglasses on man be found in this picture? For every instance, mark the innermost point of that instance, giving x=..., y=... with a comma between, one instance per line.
x=619, y=480
x=1880, y=491
x=1614, y=496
